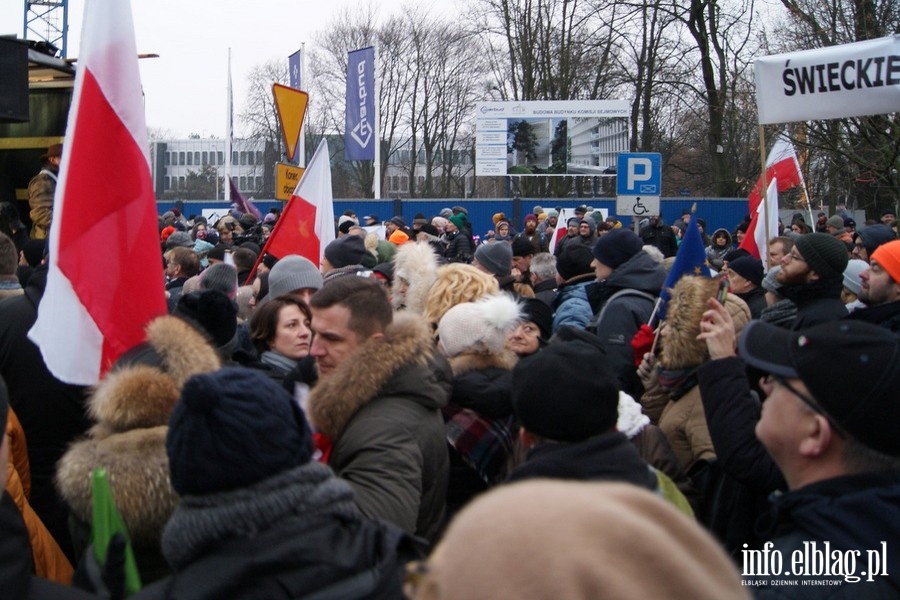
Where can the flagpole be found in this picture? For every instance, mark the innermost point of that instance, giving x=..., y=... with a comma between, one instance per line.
x=302, y=161
x=377, y=166
x=228, y=133
x=764, y=190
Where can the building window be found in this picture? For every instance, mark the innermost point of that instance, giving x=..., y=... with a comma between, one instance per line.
x=234, y=157
x=259, y=183
x=181, y=158
x=250, y=157
x=165, y=183
x=243, y=158
x=221, y=160
x=197, y=158
x=420, y=181
x=166, y=158
x=259, y=159
x=205, y=159
x=190, y=158
x=181, y=183
x=404, y=182
x=243, y=183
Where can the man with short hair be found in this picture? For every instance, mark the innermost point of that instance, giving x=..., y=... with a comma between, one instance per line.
x=181, y=265
x=543, y=277
x=880, y=289
x=888, y=216
x=812, y=276
x=829, y=423
x=778, y=247
x=377, y=401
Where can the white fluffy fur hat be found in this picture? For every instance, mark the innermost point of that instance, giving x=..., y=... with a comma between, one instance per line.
x=480, y=326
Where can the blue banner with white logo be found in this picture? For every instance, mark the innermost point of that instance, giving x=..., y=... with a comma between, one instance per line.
x=359, y=132
x=295, y=67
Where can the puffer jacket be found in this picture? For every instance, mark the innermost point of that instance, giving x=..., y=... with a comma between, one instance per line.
x=571, y=306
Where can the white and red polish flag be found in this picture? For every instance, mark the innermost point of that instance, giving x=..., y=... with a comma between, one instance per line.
x=306, y=225
x=105, y=280
x=781, y=164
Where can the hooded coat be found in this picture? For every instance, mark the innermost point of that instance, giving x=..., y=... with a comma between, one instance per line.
x=380, y=409
x=416, y=264
x=683, y=420
x=131, y=408
x=715, y=255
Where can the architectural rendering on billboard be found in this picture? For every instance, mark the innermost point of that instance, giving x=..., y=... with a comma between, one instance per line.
x=578, y=137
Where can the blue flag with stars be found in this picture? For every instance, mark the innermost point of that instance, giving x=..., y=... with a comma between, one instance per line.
x=690, y=260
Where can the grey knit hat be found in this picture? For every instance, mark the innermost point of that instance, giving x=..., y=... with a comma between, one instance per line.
x=293, y=273
x=179, y=239
x=824, y=253
x=496, y=257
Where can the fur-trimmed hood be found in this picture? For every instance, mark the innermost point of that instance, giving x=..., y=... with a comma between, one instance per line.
x=478, y=361
x=131, y=407
x=680, y=347
x=402, y=362
x=417, y=264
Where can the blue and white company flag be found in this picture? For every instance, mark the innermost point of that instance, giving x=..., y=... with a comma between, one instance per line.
x=295, y=68
x=359, y=132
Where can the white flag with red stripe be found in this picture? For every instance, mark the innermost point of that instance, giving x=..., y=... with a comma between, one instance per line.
x=781, y=164
x=105, y=279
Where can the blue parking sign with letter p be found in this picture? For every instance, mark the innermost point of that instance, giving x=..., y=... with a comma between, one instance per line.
x=639, y=174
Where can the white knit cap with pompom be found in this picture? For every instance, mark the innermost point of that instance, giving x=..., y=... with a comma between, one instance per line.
x=480, y=326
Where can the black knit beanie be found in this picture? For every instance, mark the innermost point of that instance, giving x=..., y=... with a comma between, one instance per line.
x=233, y=428
x=565, y=392
x=824, y=253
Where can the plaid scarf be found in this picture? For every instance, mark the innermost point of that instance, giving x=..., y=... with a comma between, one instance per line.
x=484, y=444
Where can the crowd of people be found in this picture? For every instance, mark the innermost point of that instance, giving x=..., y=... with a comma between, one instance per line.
x=438, y=414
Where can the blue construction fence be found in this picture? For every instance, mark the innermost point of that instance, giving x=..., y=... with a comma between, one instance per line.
x=716, y=212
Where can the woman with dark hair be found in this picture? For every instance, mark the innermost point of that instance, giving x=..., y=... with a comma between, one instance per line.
x=279, y=329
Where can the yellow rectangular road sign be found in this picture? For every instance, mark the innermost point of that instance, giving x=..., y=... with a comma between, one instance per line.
x=287, y=176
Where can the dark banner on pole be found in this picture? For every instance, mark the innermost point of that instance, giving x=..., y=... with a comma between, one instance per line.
x=359, y=133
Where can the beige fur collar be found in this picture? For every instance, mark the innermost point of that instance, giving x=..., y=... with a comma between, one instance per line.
x=357, y=381
x=464, y=363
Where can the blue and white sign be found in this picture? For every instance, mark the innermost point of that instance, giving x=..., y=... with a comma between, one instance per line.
x=295, y=66
x=359, y=133
x=638, y=183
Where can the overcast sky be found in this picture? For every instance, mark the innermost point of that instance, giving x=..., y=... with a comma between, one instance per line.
x=185, y=87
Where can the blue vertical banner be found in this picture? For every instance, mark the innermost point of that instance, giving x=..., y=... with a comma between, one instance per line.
x=295, y=70
x=359, y=132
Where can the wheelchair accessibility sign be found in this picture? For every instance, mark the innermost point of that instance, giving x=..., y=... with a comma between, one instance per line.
x=638, y=183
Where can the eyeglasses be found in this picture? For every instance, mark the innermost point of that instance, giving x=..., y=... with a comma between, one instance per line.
x=807, y=400
x=795, y=256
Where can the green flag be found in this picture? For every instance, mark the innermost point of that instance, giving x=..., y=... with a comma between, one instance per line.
x=105, y=524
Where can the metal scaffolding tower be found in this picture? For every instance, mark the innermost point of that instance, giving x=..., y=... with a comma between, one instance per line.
x=48, y=21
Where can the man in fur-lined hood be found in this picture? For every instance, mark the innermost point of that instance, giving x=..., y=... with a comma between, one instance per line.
x=377, y=400
x=131, y=409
